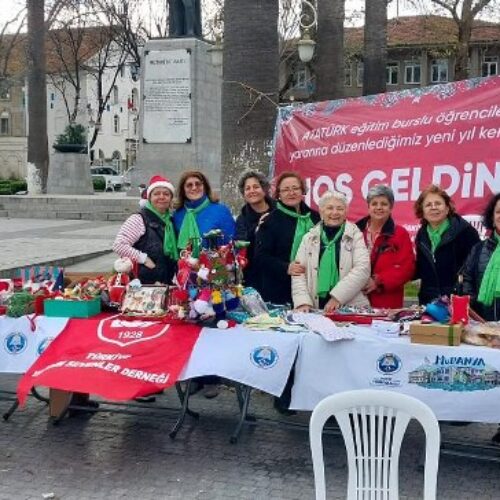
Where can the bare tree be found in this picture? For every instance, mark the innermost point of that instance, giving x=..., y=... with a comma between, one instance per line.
x=329, y=66
x=464, y=13
x=38, y=153
x=375, y=47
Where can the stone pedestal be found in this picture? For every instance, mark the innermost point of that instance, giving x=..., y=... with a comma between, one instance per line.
x=178, y=145
x=69, y=173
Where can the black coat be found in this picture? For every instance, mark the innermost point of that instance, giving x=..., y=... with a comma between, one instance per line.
x=473, y=273
x=246, y=224
x=438, y=272
x=274, y=242
x=151, y=243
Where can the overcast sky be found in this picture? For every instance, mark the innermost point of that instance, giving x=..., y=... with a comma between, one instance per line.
x=9, y=8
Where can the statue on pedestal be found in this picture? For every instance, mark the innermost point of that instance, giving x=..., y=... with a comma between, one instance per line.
x=184, y=18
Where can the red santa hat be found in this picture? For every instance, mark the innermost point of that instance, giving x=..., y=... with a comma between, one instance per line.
x=159, y=181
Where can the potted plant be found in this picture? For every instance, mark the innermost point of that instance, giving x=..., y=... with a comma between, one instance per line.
x=73, y=140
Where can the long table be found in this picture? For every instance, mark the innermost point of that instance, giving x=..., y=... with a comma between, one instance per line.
x=458, y=383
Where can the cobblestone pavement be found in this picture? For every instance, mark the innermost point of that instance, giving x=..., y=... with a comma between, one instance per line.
x=113, y=455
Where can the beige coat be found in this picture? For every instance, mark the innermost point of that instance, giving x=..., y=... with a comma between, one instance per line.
x=354, y=269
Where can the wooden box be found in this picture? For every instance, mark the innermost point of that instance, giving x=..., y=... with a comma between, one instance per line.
x=435, y=333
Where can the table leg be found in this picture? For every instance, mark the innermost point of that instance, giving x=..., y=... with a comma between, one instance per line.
x=11, y=410
x=244, y=398
x=184, y=399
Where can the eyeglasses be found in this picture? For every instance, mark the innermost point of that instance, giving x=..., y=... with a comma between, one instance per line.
x=191, y=185
x=293, y=189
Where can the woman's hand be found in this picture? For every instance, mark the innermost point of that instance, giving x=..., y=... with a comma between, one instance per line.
x=296, y=269
x=370, y=287
x=304, y=308
x=149, y=263
x=331, y=305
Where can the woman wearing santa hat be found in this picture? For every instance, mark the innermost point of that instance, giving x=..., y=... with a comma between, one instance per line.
x=148, y=237
x=199, y=212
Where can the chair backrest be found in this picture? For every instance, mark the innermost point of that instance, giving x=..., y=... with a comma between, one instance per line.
x=373, y=423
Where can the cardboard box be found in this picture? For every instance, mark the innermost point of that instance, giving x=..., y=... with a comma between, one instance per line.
x=72, y=308
x=435, y=333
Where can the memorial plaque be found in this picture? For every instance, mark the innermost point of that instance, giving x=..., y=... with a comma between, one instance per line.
x=167, y=96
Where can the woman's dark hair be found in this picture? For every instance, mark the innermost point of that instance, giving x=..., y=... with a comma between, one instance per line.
x=254, y=174
x=286, y=175
x=489, y=211
x=181, y=197
x=433, y=189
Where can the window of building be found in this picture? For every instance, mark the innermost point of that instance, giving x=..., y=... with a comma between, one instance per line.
x=135, y=98
x=392, y=73
x=4, y=90
x=136, y=126
x=359, y=74
x=4, y=124
x=412, y=72
x=348, y=75
x=301, y=78
x=122, y=70
x=439, y=71
x=116, y=124
x=115, y=94
x=489, y=66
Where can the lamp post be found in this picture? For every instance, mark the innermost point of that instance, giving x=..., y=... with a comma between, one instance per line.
x=306, y=45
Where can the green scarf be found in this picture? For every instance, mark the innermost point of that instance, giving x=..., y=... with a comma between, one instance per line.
x=436, y=234
x=190, y=232
x=304, y=223
x=490, y=284
x=328, y=272
x=169, y=243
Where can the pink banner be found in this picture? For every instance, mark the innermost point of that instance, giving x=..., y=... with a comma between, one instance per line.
x=446, y=134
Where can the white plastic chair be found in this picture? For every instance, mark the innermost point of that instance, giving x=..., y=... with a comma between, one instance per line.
x=373, y=424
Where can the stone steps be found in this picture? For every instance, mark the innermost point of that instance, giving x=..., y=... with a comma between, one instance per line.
x=96, y=207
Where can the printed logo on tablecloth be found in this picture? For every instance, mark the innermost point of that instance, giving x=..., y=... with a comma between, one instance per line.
x=15, y=343
x=388, y=365
x=455, y=373
x=123, y=333
x=44, y=344
x=264, y=357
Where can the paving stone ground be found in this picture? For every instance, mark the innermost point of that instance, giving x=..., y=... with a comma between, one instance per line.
x=25, y=242
x=116, y=455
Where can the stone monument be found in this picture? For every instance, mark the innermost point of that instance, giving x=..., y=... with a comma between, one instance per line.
x=180, y=112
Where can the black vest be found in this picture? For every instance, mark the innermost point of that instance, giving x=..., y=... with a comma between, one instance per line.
x=151, y=243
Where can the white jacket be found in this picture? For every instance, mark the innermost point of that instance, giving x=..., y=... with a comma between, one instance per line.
x=354, y=269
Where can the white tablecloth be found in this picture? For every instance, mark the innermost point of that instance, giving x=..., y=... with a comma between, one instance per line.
x=458, y=383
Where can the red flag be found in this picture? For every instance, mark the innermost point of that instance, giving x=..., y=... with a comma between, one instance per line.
x=113, y=358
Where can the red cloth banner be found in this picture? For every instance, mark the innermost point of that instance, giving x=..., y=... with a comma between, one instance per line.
x=114, y=358
x=446, y=134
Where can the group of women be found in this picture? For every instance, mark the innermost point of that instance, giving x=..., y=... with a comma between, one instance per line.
x=314, y=260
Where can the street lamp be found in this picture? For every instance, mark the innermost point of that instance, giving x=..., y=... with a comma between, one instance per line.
x=306, y=44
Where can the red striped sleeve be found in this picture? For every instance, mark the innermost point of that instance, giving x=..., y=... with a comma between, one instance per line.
x=129, y=234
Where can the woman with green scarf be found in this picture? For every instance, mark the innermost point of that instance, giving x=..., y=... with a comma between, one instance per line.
x=442, y=244
x=198, y=212
x=335, y=259
x=148, y=237
x=481, y=273
x=278, y=238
